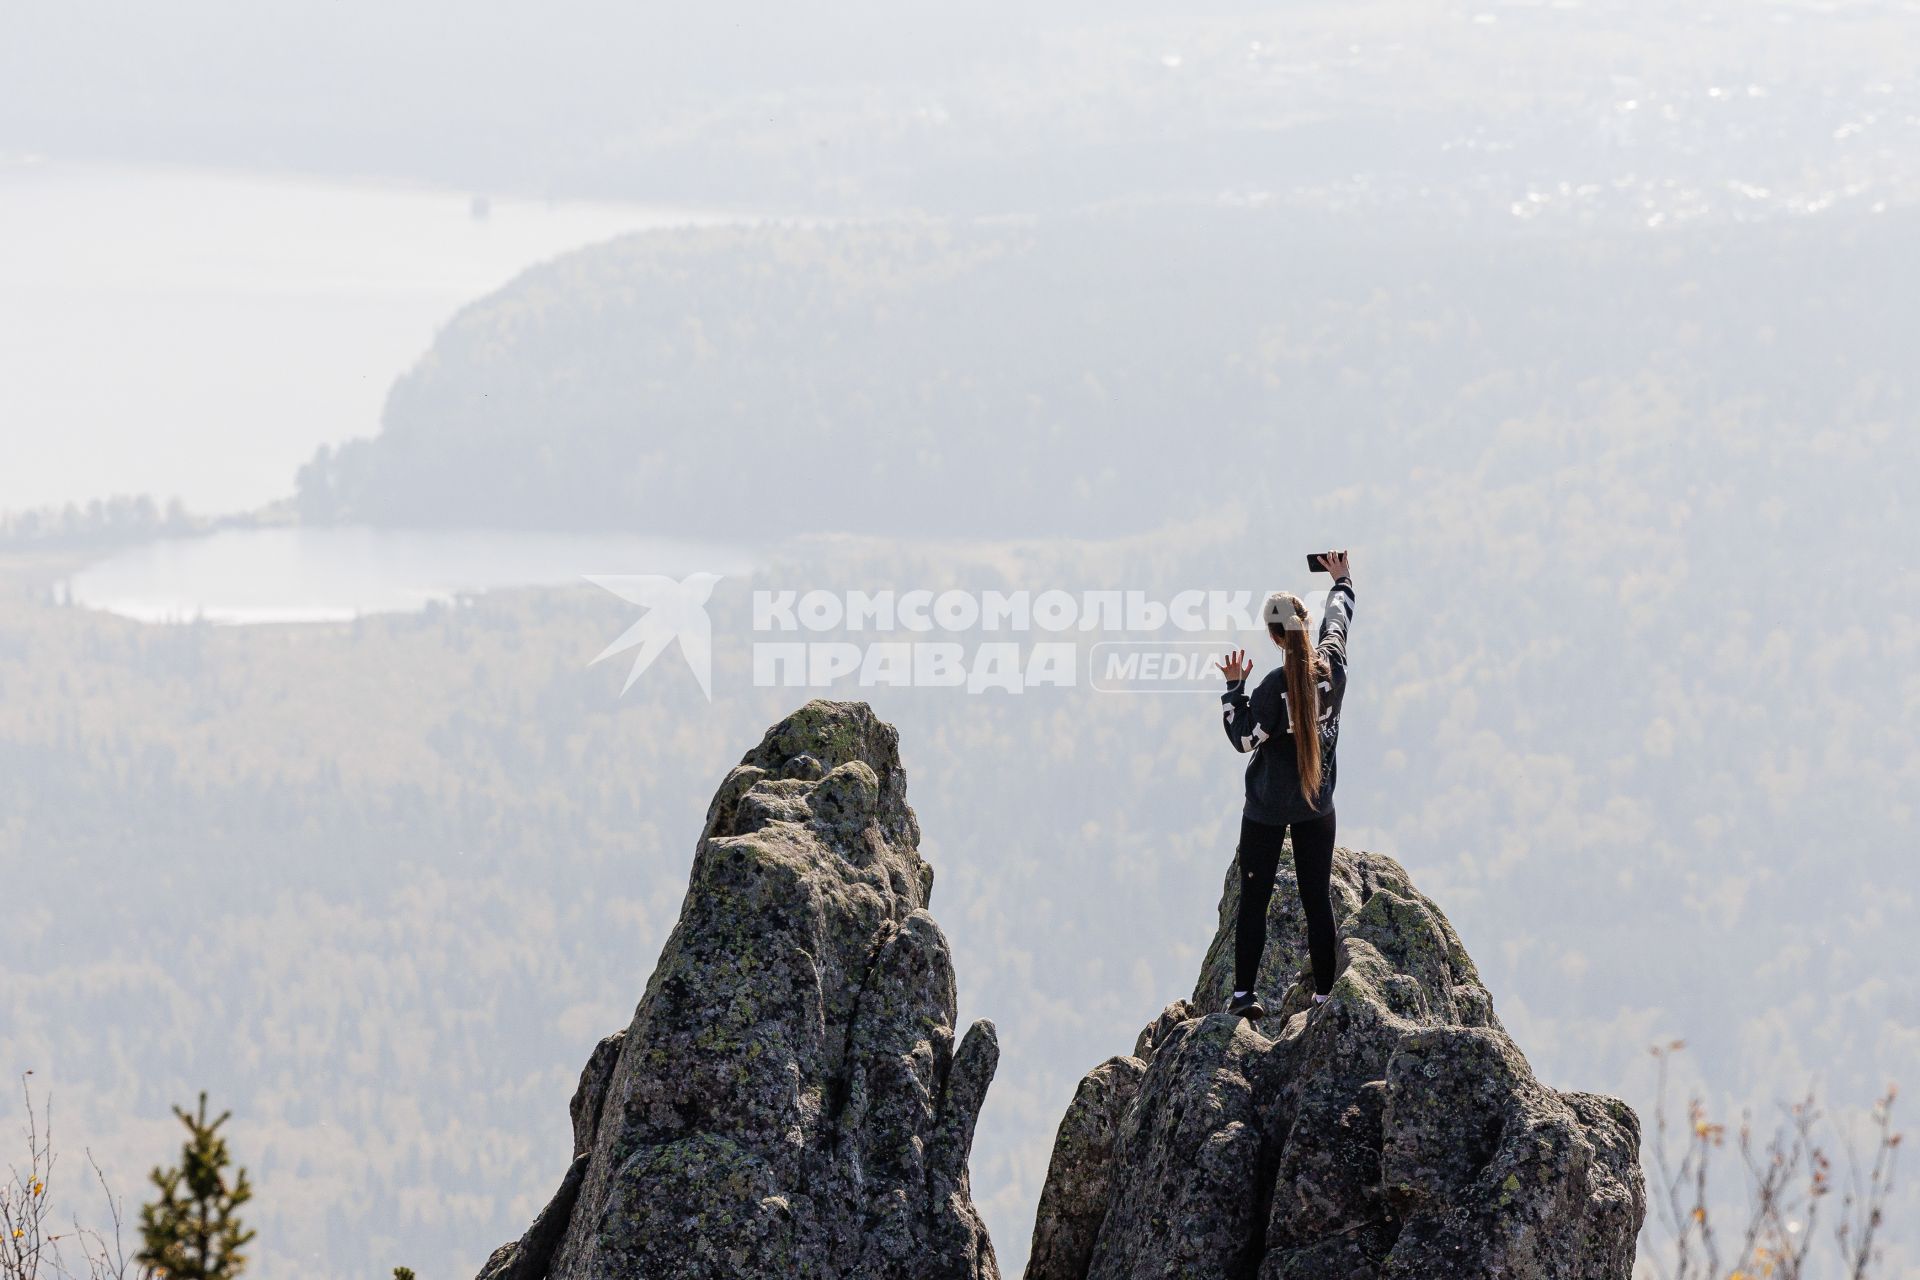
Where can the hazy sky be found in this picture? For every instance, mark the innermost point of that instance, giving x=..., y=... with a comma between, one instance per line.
x=196, y=333
x=1587, y=324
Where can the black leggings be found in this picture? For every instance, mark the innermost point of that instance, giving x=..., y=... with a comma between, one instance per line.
x=1313, y=865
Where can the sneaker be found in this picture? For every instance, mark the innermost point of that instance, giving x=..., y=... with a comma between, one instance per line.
x=1247, y=1006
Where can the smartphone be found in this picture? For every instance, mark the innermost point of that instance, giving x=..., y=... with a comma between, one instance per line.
x=1317, y=561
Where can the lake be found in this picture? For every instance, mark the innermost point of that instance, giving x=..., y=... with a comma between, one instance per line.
x=198, y=333
x=239, y=576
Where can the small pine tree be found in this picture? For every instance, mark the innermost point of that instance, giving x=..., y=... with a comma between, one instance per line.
x=192, y=1231
x=403, y=1273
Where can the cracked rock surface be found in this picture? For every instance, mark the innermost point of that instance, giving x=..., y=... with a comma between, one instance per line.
x=789, y=1099
x=1397, y=1132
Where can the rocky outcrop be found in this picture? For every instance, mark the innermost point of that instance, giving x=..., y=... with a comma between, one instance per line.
x=788, y=1100
x=1394, y=1132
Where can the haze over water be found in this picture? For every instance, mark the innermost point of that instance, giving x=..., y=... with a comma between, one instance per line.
x=197, y=333
x=1586, y=324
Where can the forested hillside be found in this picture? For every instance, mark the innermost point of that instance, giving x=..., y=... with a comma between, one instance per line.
x=947, y=377
x=1632, y=693
x=1588, y=326
x=394, y=879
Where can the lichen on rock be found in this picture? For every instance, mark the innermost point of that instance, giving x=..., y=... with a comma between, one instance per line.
x=1395, y=1132
x=788, y=1100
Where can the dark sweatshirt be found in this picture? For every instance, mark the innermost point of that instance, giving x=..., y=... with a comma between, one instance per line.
x=1260, y=724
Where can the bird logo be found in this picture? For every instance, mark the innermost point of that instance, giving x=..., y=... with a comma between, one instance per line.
x=674, y=611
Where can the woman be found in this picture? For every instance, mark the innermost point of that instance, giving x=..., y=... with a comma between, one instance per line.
x=1290, y=778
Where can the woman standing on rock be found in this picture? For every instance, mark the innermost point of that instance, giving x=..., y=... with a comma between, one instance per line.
x=1290, y=778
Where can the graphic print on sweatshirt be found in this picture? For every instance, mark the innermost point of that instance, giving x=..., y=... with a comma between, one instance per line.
x=1273, y=788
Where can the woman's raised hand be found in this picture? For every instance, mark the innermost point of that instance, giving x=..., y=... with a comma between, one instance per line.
x=1336, y=562
x=1235, y=666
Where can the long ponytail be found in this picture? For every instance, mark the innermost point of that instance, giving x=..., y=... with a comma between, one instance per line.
x=1287, y=623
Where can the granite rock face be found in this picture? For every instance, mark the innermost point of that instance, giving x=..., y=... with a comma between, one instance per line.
x=1395, y=1132
x=788, y=1100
